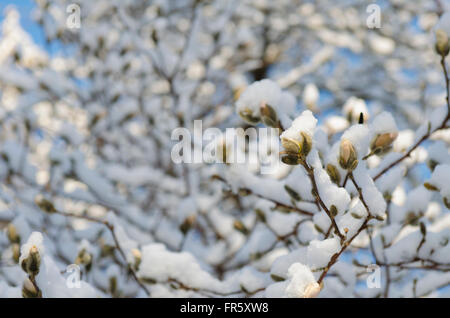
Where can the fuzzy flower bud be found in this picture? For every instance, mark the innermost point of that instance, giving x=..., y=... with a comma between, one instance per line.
x=44, y=204
x=248, y=116
x=13, y=237
x=32, y=263
x=334, y=174
x=347, y=155
x=137, y=255
x=300, y=146
x=29, y=290
x=312, y=290
x=383, y=142
x=269, y=116
x=442, y=46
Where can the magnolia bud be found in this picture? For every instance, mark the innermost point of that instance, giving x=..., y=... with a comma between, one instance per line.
x=347, y=155
x=84, y=258
x=247, y=116
x=442, y=46
x=333, y=210
x=237, y=92
x=187, y=224
x=430, y=186
x=44, y=204
x=334, y=174
x=383, y=142
x=291, y=145
x=312, y=290
x=29, y=290
x=269, y=116
x=261, y=216
x=291, y=160
x=31, y=264
x=13, y=237
x=306, y=143
x=137, y=255
x=15, y=248
x=238, y=225
x=447, y=202
x=292, y=193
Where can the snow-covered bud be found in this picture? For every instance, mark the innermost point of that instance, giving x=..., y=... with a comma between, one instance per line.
x=442, y=46
x=291, y=145
x=29, y=290
x=289, y=159
x=137, y=255
x=13, y=237
x=32, y=263
x=292, y=193
x=269, y=116
x=347, y=155
x=238, y=225
x=306, y=144
x=84, y=258
x=237, y=92
x=187, y=224
x=312, y=290
x=15, y=248
x=301, y=146
x=248, y=116
x=353, y=108
x=261, y=216
x=311, y=96
x=383, y=142
x=44, y=204
x=334, y=174
x=447, y=202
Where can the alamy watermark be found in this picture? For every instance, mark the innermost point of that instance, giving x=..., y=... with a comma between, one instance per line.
x=254, y=146
x=373, y=20
x=374, y=279
x=73, y=280
x=73, y=20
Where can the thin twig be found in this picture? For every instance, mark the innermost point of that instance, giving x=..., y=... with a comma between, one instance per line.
x=310, y=172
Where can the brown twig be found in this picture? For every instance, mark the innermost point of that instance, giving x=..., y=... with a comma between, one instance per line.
x=310, y=172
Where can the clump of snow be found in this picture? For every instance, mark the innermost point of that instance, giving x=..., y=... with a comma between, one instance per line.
x=330, y=193
x=300, y=278
x=306, y=123
x=353, y=219
x=417, y=200
x=372, y=196
x=353, y=107
x=439, y=152
x=381, y=44
x=310, y=95
x=383, y=123
x=391, y=179
x=441, y=179
x=444, y=23
x=320, y=252
x=335, y=124
x=36, y=240
x=265, y=92
x=358, y=135
x=161, y=265
x=282, y=264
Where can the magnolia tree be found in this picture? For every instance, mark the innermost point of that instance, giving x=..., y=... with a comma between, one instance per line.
x=248, y=148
